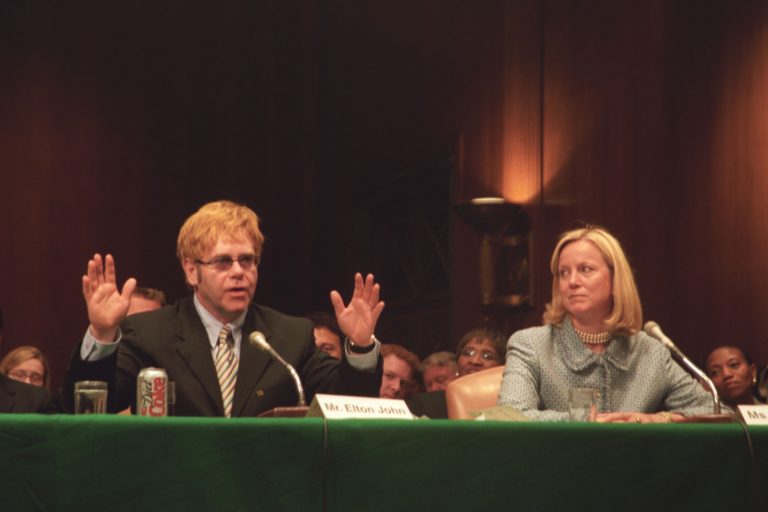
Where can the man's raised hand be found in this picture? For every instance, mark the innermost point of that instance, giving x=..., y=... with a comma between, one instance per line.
x=107, y=306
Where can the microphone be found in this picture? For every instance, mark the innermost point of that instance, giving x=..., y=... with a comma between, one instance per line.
x=652, y=329
x=258, y=340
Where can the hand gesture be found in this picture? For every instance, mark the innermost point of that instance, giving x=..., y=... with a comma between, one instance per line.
x=107, y=307
x=357, y=320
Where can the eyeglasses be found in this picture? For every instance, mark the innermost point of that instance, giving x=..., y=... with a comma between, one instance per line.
x=486, y=354
x=224, y=263
x=25, y=376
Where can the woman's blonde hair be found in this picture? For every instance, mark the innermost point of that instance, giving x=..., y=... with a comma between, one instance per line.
x=18, y=355
x=626, y=313
x=223, y=220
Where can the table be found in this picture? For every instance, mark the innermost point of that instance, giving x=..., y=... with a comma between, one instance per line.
x=105, y=462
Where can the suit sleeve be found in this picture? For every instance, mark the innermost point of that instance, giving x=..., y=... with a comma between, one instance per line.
x=322, y=373
x=521, y=382
x=118, y=370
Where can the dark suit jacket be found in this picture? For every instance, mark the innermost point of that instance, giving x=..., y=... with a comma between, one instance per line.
x=430, y=404
x=173, y=338
x=21, y=397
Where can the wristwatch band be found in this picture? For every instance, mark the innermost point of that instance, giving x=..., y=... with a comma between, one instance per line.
x=357, y=349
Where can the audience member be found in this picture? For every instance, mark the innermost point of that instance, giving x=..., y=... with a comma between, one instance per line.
x=20, y=397
x=438, y=369
x=26, y=364
x=327, y=333
x=734, y=375
x=202, y=341
x=145, y=299
x=479, y=349
x=591, y=338
x=401, y=372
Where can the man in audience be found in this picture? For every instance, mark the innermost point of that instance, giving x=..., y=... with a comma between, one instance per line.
x=202, y=342
x=438, y=369
x=145, y=299
x=479, y=349
x=401, y=372
x=327, y=333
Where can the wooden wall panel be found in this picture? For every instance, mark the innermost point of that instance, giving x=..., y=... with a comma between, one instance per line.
x=120, y=122
x=646, y=116
x=654, y=126
x=722, y=235
x=607, y=155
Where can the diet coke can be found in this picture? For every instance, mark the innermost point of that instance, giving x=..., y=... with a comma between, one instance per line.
x=152, y=392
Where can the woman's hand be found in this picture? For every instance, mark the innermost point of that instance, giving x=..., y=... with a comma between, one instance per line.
x=638, y=417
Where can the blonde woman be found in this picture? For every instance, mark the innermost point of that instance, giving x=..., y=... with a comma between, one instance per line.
x=591, y=338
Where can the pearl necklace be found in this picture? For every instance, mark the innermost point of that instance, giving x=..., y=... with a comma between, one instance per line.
x=596, y=338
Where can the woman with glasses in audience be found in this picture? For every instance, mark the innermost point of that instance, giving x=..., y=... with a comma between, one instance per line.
x=591, y=338
x=734, y=375
x=24, y=382
x=479, y=349
x=26, y=364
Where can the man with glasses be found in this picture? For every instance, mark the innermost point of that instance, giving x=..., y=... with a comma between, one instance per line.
x=202, y=341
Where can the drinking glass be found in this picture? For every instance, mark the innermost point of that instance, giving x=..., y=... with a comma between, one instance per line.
x=90, y=397
x=582, y=404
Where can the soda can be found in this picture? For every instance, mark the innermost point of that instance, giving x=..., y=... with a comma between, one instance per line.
x=152, y=392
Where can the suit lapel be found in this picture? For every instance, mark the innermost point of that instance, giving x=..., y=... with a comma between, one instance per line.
x=7, y=396
x=195, y=349
x=253, y=362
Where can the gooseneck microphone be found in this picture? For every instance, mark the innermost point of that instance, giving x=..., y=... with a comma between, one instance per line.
x=258, y=340
x=652, y=329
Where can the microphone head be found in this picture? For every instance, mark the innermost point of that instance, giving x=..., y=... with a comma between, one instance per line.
x=651, y=326
x=258, y=340
x=653, y=330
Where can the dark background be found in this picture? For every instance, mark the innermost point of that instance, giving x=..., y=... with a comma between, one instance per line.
x=351, y=127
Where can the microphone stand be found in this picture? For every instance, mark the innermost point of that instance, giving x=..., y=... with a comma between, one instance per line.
x=258, y=340
x=653, y=330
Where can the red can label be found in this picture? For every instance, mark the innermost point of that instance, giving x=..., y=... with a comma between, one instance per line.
x=152, y=392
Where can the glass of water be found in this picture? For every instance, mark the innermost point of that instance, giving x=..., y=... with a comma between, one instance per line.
x=582, y=404
x=90, y=397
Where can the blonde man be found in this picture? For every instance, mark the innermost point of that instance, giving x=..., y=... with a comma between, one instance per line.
x=202, y=341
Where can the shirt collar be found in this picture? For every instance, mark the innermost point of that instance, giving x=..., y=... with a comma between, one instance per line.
x=213, y=326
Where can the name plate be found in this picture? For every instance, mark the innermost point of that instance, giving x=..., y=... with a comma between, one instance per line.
x=754, y=414
x=346, y=407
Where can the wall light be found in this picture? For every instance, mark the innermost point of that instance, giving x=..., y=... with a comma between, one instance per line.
x=505, y=245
